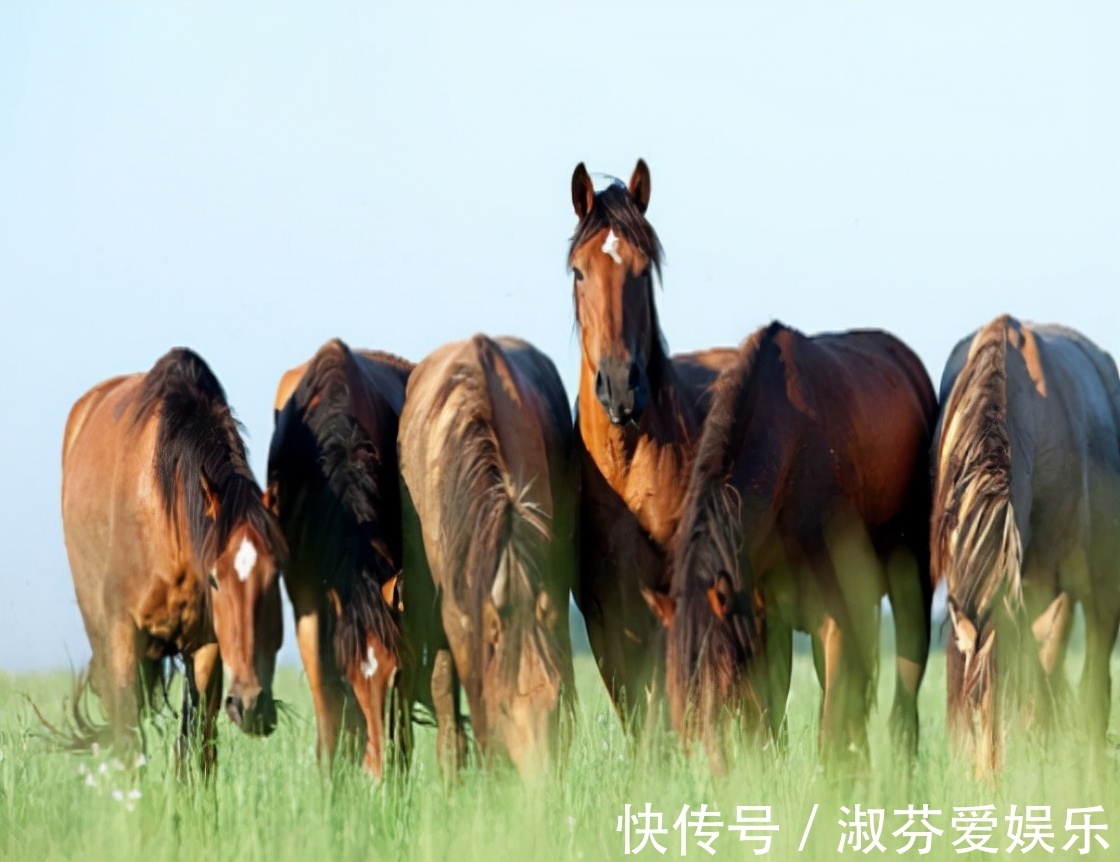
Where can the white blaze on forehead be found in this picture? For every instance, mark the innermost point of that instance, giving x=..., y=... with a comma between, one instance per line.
x=245, y=560
x=369, y=666
x=610, y=246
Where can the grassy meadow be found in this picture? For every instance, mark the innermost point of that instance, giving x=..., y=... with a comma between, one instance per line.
x=269, y=803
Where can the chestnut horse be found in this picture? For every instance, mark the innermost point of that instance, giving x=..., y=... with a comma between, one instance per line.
x=639, y=414
x=171, y=547
x=1026, y=503
x=489, y=513
x=334, y=485
x=809, y=499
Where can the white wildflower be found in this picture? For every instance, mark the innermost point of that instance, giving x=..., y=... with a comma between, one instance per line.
x=142, y=760
x=90, y=780
x=134, y=794
x=118, y=796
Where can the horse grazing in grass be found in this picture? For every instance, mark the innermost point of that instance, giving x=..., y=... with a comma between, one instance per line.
x=171, y=548
x=639, y=414
x=333, y=482
x=489, y=515
x=809, y=499
x=1025, y=511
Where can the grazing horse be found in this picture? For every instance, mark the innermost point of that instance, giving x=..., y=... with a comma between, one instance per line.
x=639, y=414
x=809, y=499
x=489, y=515
x=334, y=485
x=171, y=547
x=1025, y=511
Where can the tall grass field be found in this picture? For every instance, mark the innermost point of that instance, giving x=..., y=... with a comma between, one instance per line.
x=268, y=801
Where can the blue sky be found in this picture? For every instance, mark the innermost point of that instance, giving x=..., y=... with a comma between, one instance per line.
x=253, y=179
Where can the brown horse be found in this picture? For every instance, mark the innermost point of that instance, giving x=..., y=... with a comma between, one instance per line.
x=808, y=500
x=489, y=513
x=1026, y=502
x=639, y=415
x=171, y=547
x=333, y=482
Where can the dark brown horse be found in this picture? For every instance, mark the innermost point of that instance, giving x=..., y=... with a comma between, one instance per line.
x=489, y=513
x=1026, y=506
x=333, y=482
x=171, y=547
x=808, y=500
x=639, y=416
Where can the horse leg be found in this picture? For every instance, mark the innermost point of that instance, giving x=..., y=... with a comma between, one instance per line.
x=779, y=661
x=121, y=676
x=1101, y=625
x=208, y=677
x=318, y=664
x=843, y=731
x=203, y=672
x=450, y=742
x=911, y=606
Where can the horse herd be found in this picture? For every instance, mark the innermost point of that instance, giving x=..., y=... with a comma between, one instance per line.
x=430, y=522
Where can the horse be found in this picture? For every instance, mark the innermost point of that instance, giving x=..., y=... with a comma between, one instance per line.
x=488, y=507
x=333, y=484
x=639, y=413
x=171, y=549
x=1025, y=507
x=808, y=500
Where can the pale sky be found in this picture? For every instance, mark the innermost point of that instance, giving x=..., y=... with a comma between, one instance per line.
x=253, y=179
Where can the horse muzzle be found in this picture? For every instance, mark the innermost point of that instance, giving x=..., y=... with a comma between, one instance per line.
x=621, y=389
x=253, y=710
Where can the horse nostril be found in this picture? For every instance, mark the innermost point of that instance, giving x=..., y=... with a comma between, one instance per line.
x=600, y=384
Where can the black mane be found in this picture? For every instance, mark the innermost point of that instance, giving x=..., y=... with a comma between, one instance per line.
x=199, y=439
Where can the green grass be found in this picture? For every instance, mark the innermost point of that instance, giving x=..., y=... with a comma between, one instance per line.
x=269, y=803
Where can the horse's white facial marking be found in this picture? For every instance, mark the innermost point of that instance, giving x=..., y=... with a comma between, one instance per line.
x=369, y=666
x=610, y=246
x=245, y=560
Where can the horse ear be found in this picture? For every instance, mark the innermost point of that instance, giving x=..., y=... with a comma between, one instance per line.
x=639, y=185
x=391, y=593
x=210, y=497
x=583, y=191
x=986, y=647
x=546, y=613
x=664, y=607
x=720, y=595
x=491, y=623
x=1048, y=629
x=964, y=632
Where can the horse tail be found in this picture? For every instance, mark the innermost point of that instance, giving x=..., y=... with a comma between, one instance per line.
x=976, y=544
x=497, y=535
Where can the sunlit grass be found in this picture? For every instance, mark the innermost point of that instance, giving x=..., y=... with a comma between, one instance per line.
x=269, y=803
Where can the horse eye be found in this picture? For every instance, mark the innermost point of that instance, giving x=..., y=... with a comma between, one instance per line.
x=578, y=273
x=213, y=581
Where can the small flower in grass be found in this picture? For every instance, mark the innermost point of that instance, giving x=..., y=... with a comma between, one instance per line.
x=90, y=780
x=103, y=768
x=118, y=795
x=141, y=760
x=571, y=823
x=134, y=795
x=95, y=749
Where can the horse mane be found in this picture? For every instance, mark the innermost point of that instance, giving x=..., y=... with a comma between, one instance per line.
x=353, y=561
x=199, y=438
x=614, y=208
x=709, y=534
x=491, y=529
x=975, y=536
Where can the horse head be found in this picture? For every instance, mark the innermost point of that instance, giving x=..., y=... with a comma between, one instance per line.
x=613, y=257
